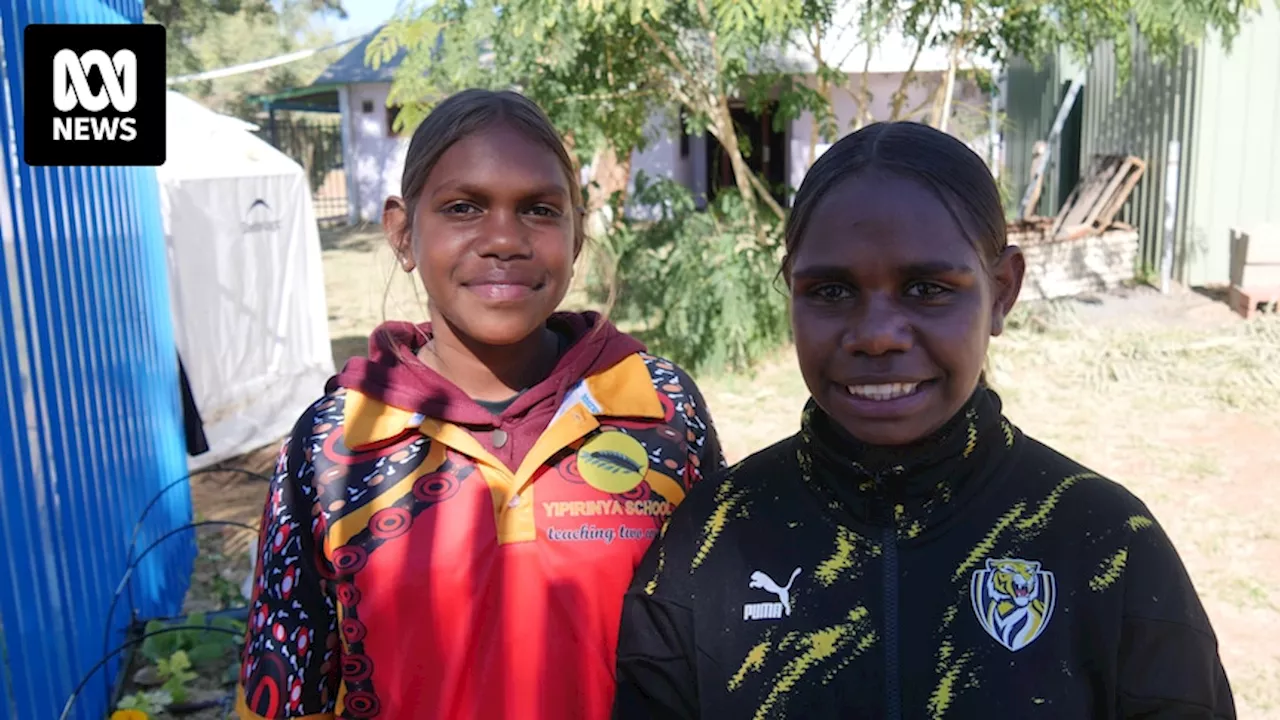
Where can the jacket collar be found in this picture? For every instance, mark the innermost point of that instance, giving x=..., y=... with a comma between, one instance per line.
x=911, y=488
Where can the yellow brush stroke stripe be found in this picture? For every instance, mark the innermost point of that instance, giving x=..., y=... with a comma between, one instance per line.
x=1112, y=569
x=665, y=486
x=1140, y=522
x=1040, y=517
x=818, y=645
x=753, y=662
x=652, y=586
x=973, y=440
x=841, y=559
x=348, y=526
x=863, y=645
x=944, y=694
x=715, y=524
x=980, y=551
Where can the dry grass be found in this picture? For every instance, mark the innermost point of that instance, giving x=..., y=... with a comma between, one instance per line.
x=1172, y=396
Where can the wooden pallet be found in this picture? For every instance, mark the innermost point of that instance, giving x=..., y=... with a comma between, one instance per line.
x=1245, y=302
x=1098, y=197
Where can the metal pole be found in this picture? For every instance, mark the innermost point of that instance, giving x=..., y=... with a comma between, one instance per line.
x=994, y=129
x=1170, y=214
x=1037, y=171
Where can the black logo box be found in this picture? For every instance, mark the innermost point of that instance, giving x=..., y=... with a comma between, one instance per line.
x=40, y=44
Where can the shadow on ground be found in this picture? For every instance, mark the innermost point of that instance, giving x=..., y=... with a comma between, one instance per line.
x=345, y=348
x=360, y=238
x=1217, y=294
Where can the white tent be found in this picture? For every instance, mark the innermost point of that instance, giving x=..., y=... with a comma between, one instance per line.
x=246, y=279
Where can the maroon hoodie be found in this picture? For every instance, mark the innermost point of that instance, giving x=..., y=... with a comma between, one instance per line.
x=394, y=374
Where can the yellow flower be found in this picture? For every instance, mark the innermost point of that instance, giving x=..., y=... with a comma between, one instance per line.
x=129, y=715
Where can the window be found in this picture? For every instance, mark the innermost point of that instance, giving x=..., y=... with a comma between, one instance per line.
x=392, y=113
x=367, y=107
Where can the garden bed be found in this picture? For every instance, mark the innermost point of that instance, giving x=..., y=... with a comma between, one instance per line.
x=189, y=669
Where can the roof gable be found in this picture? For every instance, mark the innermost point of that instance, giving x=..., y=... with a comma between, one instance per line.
x=351, y=67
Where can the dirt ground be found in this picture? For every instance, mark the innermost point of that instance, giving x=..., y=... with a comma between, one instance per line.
x=1173, y=396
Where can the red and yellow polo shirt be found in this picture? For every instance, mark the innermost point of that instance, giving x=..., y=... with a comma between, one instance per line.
x=406, y=572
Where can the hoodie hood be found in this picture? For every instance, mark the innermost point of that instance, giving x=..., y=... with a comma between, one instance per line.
x=393, y=374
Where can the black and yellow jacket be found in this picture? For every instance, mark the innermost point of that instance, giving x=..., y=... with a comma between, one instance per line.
x=984, y=576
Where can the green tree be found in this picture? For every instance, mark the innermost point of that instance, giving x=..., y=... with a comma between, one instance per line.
x=594, y=87
x=707, y=53
x=998, y=30
x=187, y=21
x=599, y=68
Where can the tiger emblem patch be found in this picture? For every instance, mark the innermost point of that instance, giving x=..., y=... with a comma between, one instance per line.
x=1013, y=600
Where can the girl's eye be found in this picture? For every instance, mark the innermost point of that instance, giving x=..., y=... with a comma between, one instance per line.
x=926, y=290
x=830, y=293
x=544, y=211
x=460, y=208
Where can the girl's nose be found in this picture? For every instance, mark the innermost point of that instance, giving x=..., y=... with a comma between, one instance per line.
x=504, y=236
x=876, y=326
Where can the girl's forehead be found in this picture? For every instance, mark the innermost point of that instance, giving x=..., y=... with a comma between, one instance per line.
x=501, y=157
x=890, y=212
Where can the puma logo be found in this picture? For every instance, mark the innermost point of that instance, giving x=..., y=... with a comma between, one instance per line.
x=769, y=610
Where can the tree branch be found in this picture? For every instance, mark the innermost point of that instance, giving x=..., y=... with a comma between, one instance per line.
x=766, y=195
x=900, y=96
x=672, y=58
x=600, y=96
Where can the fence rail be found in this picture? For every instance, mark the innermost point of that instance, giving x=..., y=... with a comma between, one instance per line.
x=316, y=144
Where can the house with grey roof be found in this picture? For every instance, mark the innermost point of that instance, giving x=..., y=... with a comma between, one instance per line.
x=373, y=153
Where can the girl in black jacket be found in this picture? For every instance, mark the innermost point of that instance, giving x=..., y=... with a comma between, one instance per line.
x=910, y=553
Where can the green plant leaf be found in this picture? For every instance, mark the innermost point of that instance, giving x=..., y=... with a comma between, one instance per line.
x=179, y=661
x=208, y=653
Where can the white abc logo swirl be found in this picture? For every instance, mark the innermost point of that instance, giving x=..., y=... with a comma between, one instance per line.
x=119, y=80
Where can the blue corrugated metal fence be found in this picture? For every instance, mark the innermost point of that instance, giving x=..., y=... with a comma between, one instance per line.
x=90, y=420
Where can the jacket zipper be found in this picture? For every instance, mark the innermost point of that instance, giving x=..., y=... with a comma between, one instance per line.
x=893, y=696
x=892, y=678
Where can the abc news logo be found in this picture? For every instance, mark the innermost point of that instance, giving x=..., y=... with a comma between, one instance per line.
x=94, y=95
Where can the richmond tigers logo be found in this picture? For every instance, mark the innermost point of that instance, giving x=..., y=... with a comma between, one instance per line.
x=1013, y=600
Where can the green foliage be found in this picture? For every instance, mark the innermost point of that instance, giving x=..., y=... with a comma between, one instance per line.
x=593, y=84
x=200, y=646
x=175, y=671
x=702, y=282
x=1002, y=29
x=204, y=35
x=151, y=702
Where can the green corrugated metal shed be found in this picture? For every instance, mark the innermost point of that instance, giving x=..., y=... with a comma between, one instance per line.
x=1220, y=107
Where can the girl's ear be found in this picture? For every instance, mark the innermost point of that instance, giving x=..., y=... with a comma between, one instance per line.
x=395, y=223
x=1006, y=275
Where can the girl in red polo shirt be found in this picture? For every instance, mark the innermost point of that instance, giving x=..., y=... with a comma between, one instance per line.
x=451, y=528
